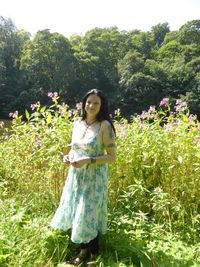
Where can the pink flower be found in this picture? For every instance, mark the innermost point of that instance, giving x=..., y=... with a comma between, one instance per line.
x=1, y=124
x=33, y=106
x=180, y=105
x=79, y=105
x=164, y=102
x=60, y=109
x=196, y=140
x=13, y=115
x=143, y=115
x=38, y=143
x=152, y=109
x=117, y=111
x=191, y=119
x=122, y=129
x=52, y=95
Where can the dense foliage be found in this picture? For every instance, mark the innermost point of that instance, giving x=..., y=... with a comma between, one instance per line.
x=135, y=69
x=154, y=202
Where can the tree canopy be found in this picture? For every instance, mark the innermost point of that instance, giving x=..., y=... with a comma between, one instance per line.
x=135, y=69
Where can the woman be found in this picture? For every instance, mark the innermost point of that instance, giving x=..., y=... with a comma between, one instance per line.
x=83, y=205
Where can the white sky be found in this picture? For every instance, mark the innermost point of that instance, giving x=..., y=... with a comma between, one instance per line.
x=78, y=16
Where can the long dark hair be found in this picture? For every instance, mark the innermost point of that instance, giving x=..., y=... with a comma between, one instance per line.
x=104, y=110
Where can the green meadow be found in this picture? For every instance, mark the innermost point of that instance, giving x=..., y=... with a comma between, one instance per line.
x=154, y=197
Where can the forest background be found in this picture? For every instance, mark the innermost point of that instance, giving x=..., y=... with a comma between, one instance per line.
x=135, y=69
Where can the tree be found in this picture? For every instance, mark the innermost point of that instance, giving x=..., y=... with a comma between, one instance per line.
x=179, y=76
x=192, y=96
x=135, y=69
x=11, y=43
x=159, y=32
x=190, y=52
x=138, y=88
x=190, y=32
x=87, y=69
x=105, y=44
x=142, y=42
x=169, y=50
x=49, y=65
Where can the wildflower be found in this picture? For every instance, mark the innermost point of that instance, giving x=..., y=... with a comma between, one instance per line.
x=152, y=109
x=196, y=140
x=52, y=95
x=38, y=143
x=191, y=119
x=13, y=115
x=62, y=108
x=169, y=126
x=65, y=105
x=178, y=102
x=1, y=124
x=122, y=128
x=117, y=111
x=33, y=106
x=79, y=105
x=143, y=115
x=164, y=102
x=180, y=105
x=70, y=113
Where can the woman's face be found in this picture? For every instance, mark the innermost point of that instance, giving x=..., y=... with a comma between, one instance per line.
x=93, y=105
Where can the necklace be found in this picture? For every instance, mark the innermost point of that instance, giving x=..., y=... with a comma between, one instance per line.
x=87, y=126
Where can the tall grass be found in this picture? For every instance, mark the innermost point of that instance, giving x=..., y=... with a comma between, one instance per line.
x=154, y=202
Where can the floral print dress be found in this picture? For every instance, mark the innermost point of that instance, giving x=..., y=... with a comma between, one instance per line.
x=83, y=204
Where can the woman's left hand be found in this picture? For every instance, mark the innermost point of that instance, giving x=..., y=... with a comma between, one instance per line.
x=78, y=163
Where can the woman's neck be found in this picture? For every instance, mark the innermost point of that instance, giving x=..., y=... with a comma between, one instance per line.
x=90, y=119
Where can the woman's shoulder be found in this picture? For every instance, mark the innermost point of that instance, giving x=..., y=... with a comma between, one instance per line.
x=105, y=124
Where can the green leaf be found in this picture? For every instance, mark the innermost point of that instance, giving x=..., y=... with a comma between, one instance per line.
x=43, y=109
x=27, y=114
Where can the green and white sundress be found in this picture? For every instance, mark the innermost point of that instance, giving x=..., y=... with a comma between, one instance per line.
x=83, y=204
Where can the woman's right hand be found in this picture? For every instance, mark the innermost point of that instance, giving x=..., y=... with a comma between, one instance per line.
x=66, y=159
